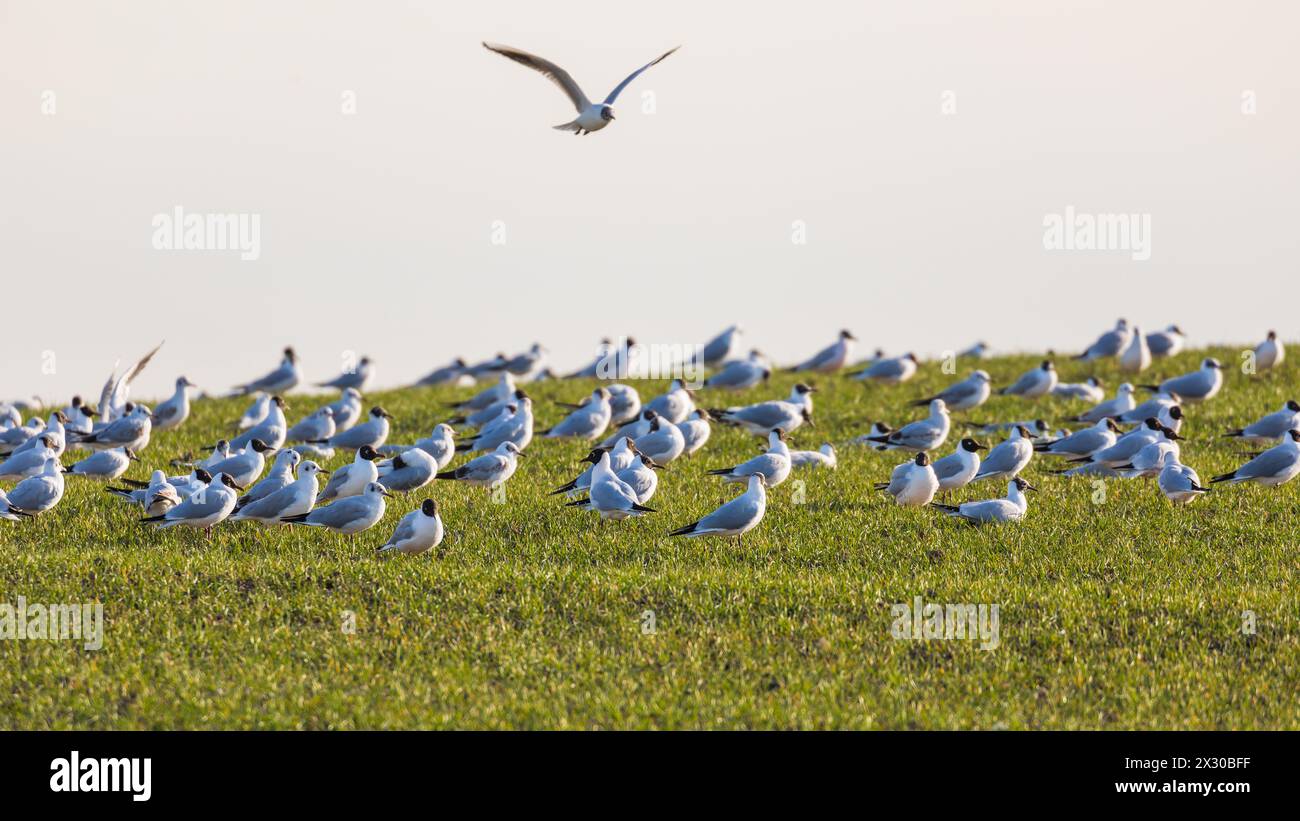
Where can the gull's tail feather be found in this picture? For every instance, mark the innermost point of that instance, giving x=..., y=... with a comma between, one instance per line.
x=683, y=531
x=569, y=126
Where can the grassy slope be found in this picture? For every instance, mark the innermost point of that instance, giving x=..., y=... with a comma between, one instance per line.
x=1125, y=614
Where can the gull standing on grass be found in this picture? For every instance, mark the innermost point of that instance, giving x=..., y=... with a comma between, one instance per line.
x=1271, y=427
x=52, y=436
x=1007, y=459
x=1109, y=344
x=281, y=380
x=740, y=374
x=129, y=431
x=157, y=496
x=735, y=518
x=1151, y=459
x=279, y=476
x=823, y=457
x=352, y=478
x=588, y=421
x=676, y=404
x=924, y=434
x=696, y=430
x=407, y=471
x=15, y=437
x=1273, y=467
x=634, y=429
x=1269, y=353
x=958, y=469
x=1126, y=446
x=373, y=432
x=832, y=357
x=765, y=417
x=891, y=371
x=1160, y=404
x=1167, y=342
x=246, y=466
x=294, y=499
x=1035, y=383
x=418, y=531
x=30, y=462
x=37, y=494
x=992, y=511
x=980, y=350
x=663, y=442
x=347, y=516
x=203, y=508
x=106, y=465
x=639, y=474
x=490, y=469
x=171, y=413
x=913, y=483
x=591, y=116
x=969, y=393
x=1137, y=356
x=256, y=411
x=346, y=409
x=609, y=495
x=440, y=444
x=1121, y=404
x=502, y=390
x=514, y=425
x=81, y=418
x=1082, y=442
x=316, y=426
x=774, y=464
x=358, y=378
x=446, y=375
x=1196, y=386
x=1179, y=483
x=271, y=430
x=1091, y=389
x=620, y=458
x=723, y=347
x=624, y=403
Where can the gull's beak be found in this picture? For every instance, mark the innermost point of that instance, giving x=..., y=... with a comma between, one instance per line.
x=1030, y=487
x=389, y=495
x=981, y=446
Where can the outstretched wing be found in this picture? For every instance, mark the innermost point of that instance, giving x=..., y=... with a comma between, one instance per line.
x=551, y=71
x=613, y=95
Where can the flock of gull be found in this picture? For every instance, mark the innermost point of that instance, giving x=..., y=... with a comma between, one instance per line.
x=267, y=473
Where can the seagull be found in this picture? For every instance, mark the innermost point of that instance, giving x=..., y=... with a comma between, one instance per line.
x=1269, y=353
x=832, y=357
x=740, y=374
x=588, y=421
x=1136, y=357
x=620, y=458
x=294, y=499
x=773, y=464
x=30, y=462
x=1273, y=467
x=157, y=496
x=957, y=469
x=1271, y=427
x=591, y=116
x=446, y=375
x=663, y=442
x=1109, y=344
x=1196, y=386
x=970, y=392
x=279, y=476
x=352, y=478
x=501, y=391
x=256, y=411
x=281, y=380
x=1086, y=442
x=735, y=518
x=372, y=432
x=989, y=511
x=407, y=471
x=172, y=412
x=221, y=450
x=1128, y=445
x=514, y=424
x=980, y=350
x=81, y=417
x=116, y=391
x=913, y=483
x=440, y=444
x=1120, y=405
x=1007, y=459
x=1167, y=342
x=1156, y=406
x=131, y=431
x=599, y=367
x=624, y=403
x=346, y=409
x=675, y=405
x=1091, y=389
x=418, y=531
x=14, y=437
x=1179, y=483
x=246, y=466
x=878, y=429
x=347, y=516
x=316, y=426
x=105, y=465
x=723, y=347
x=921, y=435
x=490, y=469
x=37, y=494
x=358, y=378
x=823, y=457
x=891, y=371
x=609, y=495
x=272, y=430
x=634, y=429
x=529, y=364
x=1151, y=459
x=765, y=417
x=1035, y=383
x=696, y=430
x=203, y=508
x=52, y=436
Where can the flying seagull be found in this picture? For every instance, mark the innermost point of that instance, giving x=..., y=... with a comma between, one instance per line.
x=591, y=116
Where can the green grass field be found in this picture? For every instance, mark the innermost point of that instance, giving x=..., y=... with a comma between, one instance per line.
x=1125, y=614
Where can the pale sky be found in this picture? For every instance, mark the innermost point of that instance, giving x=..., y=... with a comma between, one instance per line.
x=924, y=229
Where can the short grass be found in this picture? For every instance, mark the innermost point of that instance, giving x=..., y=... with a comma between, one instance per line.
x=1125, y=614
